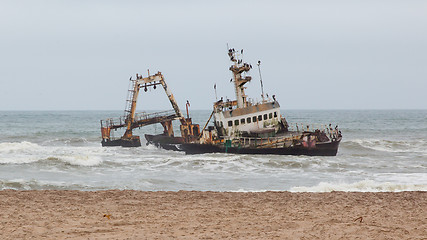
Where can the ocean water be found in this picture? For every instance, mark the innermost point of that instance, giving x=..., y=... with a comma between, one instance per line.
x=381, y=150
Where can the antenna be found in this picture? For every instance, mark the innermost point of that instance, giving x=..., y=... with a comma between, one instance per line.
x=260, y=79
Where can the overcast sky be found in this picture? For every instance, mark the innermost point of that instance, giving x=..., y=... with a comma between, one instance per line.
x=79, y=55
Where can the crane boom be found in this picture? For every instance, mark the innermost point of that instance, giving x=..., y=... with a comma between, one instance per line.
x=159, y=79
x=133, y=120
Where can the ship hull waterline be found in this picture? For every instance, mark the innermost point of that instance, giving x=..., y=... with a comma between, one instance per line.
x=321, y=149
x=133, y=142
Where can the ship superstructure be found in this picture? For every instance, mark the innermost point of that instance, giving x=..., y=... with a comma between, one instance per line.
x=242, y=117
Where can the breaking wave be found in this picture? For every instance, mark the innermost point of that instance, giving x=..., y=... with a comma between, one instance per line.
x=21, y=184
x=19, y=152
x=361, y=186
x=27, y=152
x=393, y=146
x=13, y=147
x=68, y=141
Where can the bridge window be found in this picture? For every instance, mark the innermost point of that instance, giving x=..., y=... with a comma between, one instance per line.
x=259, y=118
x=230, y=123
x=248, y=120
x=265, y=116
x=270, y=116
x=236, y=122
x=242, y=121
x=254, y=119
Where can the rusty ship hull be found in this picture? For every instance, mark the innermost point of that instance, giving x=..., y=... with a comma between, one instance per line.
x=131, y=142
x=320, y=149
x=164, y=141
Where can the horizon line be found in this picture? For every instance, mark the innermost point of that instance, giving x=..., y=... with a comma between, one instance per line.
x=285, y=109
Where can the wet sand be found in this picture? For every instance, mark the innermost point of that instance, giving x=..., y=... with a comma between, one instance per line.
x=211, y=215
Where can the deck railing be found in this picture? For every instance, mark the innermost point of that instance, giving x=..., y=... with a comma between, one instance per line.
x=294, y=136
x=262, y=142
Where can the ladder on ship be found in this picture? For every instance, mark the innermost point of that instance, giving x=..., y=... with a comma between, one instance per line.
x=129, y=97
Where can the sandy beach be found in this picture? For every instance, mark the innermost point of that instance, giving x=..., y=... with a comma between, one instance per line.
x=127, y=214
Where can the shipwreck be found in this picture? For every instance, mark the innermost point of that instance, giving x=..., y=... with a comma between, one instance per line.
x=131, y=120
x=240, y=126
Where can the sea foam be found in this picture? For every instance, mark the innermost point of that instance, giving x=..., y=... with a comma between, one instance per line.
x=16, y=147
x=27, y=152
x=418, y=146
x=361, y=186
x=19, y=152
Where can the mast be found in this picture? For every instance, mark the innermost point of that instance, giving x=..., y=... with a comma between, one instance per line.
x=237, y=69
x=260, y=79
